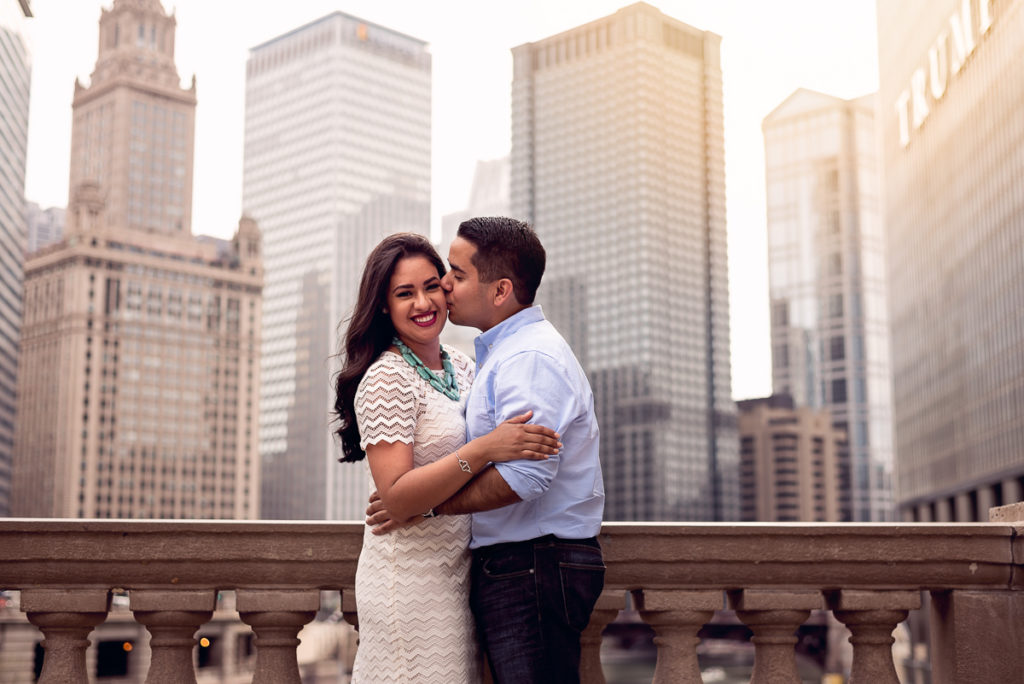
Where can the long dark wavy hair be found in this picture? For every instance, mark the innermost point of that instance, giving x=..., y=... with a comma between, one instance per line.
x=370, y=330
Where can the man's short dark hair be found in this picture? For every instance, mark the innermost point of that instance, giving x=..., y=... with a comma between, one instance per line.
x=506, y=248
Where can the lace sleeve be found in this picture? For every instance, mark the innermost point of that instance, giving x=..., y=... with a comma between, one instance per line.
x=386, y=403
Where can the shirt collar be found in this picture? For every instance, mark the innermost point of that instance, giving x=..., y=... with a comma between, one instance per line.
x=485, y=342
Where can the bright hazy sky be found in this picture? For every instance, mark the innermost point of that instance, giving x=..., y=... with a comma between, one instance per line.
x=769, y=49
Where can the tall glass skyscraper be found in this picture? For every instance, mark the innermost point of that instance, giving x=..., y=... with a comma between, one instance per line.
x=15, y=72
x=337, y=155
x=952, y=136
x=826, y=264
x=618, y=161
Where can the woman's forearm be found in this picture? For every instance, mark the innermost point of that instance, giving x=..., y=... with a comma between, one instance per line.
x=418, y=490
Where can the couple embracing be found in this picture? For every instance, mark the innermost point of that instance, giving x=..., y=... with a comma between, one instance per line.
x=488, y=496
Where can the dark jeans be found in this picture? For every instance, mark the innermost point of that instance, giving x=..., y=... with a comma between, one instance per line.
x=531, y=601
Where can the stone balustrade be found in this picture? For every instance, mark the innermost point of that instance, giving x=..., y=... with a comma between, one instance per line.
x=676, y=575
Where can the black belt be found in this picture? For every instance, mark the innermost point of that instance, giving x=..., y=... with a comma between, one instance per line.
x=546, y=539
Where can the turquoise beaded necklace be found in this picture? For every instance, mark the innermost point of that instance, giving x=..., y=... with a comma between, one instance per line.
x=448, y=387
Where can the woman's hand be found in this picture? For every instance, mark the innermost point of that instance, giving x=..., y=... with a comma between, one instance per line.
x=517, y=439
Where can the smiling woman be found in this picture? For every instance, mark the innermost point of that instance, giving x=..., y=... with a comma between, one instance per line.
x=372, y=328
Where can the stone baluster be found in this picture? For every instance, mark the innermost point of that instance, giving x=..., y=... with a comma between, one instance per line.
x=349, y=613
x=609, y=603
x=172, y=618
x=871, y=617
x=676, y=616
x=276, y=616
x=65, y=618
x=774, y=617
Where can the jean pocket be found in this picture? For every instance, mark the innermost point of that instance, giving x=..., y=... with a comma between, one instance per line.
x=507, y=567
x=581, y=586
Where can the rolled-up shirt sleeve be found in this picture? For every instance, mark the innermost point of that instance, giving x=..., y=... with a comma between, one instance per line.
x=533, y=381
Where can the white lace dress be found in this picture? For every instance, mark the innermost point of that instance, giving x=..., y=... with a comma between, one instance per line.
x=412, y=586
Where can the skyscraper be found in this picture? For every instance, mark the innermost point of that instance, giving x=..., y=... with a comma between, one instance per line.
x=618, y=162
x=794, y=463
x=337, y=155
x=952, y=140
x=139, y=377
x=45, y=226
x=15, y=72
x=826, y=266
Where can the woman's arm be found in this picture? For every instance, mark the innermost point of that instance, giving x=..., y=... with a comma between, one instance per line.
x=407, y=491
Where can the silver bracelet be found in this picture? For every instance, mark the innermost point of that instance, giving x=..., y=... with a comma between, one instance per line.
x=463, y=463
x=430, y=514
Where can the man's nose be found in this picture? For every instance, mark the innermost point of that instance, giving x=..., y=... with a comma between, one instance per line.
x=446, y=282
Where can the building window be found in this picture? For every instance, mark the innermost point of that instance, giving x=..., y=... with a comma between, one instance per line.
x=195, y=308
x=133, y=300
x=834, y=264
x=839, y=391
x=835, y=306
x=780, y=356
x=780, y=313
x=832, y=220
x=837, y=348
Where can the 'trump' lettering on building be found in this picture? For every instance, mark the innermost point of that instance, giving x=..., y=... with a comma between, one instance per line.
x=960, y=34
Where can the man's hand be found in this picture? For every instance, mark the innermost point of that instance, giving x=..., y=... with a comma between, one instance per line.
x=378, y=518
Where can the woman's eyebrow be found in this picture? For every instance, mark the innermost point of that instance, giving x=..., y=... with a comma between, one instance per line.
x=429, y=280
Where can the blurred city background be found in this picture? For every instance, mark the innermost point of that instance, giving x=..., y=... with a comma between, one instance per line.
x=784, y=239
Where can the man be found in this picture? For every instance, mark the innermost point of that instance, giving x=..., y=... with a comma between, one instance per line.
x=537, y=566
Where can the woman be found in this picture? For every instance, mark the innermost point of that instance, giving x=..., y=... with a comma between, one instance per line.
x=400, y=401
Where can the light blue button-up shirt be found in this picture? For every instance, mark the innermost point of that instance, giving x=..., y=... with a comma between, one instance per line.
x=523, y=364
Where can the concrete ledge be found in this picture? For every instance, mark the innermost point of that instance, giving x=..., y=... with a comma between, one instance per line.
x=216, y=555
x=821, y=556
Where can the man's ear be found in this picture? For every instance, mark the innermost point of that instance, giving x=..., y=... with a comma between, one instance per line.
x=503, y=289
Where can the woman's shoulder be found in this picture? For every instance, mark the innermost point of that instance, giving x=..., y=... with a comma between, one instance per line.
x=388, y=369
x=386, y=361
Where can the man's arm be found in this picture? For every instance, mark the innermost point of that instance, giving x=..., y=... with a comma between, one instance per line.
x=485, y=492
